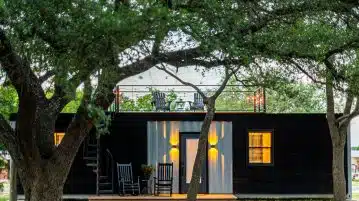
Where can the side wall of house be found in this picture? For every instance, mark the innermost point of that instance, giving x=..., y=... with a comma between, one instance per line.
x=302, y=155
x=301, y=151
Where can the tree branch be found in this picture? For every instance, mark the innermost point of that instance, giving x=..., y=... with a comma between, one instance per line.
x=46, y=76
x=77, y=130
x=192, y=61
x=305, y=72
x=329, y=86
x=163, y=68
x=229, y=74
x=348, y=104
x=51, y=40
x=348, y=45
x=347, y=117
x=150, y=61
x=18, y=70
x=9, y=140
x=118, y=3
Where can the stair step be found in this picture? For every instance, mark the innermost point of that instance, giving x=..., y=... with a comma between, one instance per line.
x=105, y=184
x=105, y=191
x=90, y=158
x=103, y=177
x=92, y=145
x=91, y=164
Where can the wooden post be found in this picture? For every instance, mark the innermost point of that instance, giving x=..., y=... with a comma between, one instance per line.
x=117, y=101
x=13, y=192
x=264, y=100
x=254, y=102
x=98, y=167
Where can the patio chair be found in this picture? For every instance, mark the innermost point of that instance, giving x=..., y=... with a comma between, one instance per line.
x=164, y=179
x=125, y=179
x=197, y=102
x=159, y=101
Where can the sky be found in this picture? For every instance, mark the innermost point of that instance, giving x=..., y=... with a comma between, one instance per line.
x=155, y=76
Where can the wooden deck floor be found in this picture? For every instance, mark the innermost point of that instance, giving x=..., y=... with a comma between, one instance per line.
x=174, y=197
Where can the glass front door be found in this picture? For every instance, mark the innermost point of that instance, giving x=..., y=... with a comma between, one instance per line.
x=188, y=151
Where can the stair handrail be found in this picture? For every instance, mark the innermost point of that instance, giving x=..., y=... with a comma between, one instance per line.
x=98, y=166
x=84, y=148
x=110, y=156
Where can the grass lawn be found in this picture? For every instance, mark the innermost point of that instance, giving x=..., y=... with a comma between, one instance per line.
x=4, y=198
x=355, y=196
x=355, y=182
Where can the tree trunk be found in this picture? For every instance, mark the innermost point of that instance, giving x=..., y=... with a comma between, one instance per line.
x=44, y=178
x=338, y=137
x=201, y=153
x=44, y=187
x=339, y=182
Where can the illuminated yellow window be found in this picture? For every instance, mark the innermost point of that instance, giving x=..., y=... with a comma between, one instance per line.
x=58, y=137
x=260, y=147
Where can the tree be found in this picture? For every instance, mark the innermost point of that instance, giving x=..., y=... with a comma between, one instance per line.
x=63, y=45
x=288, y=98
x=327, y=57
x=248, y=40
x=210, y=102
x=296, y=98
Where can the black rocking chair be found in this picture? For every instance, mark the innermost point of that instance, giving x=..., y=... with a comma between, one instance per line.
x=164, y=179
x=159, y=101
x=125, y=179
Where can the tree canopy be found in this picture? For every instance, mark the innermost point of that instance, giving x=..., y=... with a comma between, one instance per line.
x=50, y=46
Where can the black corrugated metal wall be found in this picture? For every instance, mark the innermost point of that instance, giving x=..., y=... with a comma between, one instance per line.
x=302, y=151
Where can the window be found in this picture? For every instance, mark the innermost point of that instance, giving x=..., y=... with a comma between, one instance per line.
x=58, y=137
x=260, y=147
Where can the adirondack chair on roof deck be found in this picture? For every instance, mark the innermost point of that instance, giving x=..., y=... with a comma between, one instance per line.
x=197, y=102
x=159, y=101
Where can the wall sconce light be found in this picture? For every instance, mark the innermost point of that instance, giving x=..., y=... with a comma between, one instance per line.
x=213, y=146
x=174, y=146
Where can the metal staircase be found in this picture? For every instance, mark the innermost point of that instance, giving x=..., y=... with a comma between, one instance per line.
x=101, y=163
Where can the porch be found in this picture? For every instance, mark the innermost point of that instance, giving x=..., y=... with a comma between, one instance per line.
x=202, y=197
x=164, y=197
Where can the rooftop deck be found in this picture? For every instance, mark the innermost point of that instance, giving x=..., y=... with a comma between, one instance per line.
x=180, y=98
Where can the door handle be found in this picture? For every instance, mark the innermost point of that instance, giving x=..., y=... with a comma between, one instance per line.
x=182, y=170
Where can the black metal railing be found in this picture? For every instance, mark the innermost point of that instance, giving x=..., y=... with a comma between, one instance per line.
x=138, y=98
x=101, y=164
x=110, y=168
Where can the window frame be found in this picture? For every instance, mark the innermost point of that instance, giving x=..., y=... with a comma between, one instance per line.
x=271, y=148
x=55, y=135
